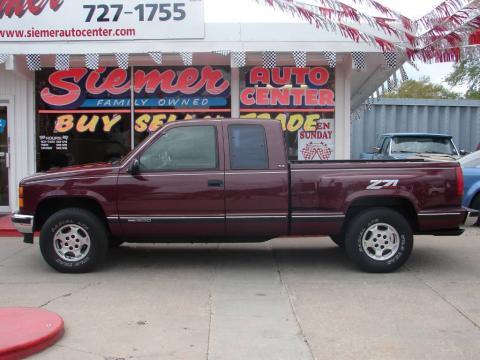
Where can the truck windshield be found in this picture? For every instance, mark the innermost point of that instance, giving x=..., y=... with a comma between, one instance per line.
x=432, y=145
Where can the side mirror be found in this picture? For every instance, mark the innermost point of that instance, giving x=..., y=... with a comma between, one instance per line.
x=134, y=168
x=463, y=152
x=376, y=150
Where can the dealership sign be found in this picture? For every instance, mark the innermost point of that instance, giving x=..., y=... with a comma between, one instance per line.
x=87, y=101
x=70, y=20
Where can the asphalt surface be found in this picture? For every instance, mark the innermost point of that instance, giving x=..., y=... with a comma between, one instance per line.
x=286, y=299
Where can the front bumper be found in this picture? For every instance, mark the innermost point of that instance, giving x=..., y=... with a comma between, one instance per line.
x=471, y=218
x=23, y=223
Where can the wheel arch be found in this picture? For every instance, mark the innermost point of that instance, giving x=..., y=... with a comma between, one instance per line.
x=51, y=205
x=400, y=204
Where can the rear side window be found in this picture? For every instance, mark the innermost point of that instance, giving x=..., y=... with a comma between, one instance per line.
x=248, y=147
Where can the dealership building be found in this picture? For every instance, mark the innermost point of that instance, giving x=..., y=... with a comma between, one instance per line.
x=86, y=83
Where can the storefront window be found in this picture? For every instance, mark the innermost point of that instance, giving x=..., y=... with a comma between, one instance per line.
x=85, y=116
x=82, y=116
x=302, y=99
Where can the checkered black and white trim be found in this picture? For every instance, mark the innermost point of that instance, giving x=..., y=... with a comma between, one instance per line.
x=187, y=58
x=391, y=59
x=269, y=59
x=222, y=52
x=92, y=61
x=331, y=58
x=239, y=59
x=122, y=60
x=300, y=59
x=33, y=62
x=403, y=73
x=359, y=60
x=390, y=86
x=62, y=62
x=157, y=57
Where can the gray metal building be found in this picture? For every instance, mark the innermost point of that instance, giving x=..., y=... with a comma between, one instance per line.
x=460, y=118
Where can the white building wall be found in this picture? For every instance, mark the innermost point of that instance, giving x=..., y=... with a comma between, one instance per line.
x=18, y=93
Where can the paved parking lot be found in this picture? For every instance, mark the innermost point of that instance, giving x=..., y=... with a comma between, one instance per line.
x=285, y=299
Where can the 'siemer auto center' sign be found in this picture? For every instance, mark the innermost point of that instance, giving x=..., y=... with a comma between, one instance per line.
x=70, y=20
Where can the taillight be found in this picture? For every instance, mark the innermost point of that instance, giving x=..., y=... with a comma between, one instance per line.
x=460, y=182
x=20, y=197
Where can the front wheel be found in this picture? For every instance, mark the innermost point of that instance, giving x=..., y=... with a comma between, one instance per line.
x=379, y=240
x=73, y=241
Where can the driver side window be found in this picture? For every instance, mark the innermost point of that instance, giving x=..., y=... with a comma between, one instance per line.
x=183, y=148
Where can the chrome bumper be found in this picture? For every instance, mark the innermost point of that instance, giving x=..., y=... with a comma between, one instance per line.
x=471, y=218
x=23, y=223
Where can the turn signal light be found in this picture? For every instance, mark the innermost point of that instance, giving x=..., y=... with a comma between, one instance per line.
x=20, y=197
x=460, y=182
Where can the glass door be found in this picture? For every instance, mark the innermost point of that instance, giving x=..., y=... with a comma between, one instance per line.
x=4, y=201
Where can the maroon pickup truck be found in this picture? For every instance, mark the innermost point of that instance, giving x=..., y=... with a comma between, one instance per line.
x=230, y=181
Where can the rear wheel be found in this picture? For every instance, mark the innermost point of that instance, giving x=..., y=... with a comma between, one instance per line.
x=379, y=240
x=73, y=241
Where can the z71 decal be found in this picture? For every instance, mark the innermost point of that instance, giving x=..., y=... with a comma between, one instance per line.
x=382, y=184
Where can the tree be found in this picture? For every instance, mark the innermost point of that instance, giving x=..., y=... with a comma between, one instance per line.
x=467, y=72
x=422, y=89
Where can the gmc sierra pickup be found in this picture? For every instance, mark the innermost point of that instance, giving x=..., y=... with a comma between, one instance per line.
x=230, y=181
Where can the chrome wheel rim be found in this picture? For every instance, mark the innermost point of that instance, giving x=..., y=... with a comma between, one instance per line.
x=71, y=243
x=381, y=241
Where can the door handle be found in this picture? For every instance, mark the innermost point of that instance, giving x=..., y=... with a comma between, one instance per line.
x=215, y=183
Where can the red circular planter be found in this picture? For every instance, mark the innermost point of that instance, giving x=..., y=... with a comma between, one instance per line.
x=26, y=331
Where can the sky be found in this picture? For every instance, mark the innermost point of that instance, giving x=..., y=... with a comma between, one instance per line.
x=251, y=11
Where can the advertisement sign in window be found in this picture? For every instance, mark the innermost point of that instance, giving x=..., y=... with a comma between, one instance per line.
x=302, y=99
x=86, y=116
x=164, y=95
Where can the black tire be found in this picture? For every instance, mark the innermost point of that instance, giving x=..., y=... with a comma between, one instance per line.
x=339, y=240
x=365, y=257
x=89, y=224
x=476, y=205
